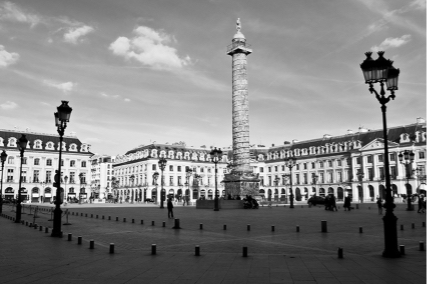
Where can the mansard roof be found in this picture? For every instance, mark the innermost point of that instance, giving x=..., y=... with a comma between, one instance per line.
x=45, y=138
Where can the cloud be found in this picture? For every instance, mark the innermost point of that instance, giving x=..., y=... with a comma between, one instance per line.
x=391, y=42
x=151, y=48
x=7, y=58
x=8, y=105
x=74, y=34
x=65, y=87
x=127, y=100
x=11, y=12
x=418, y=4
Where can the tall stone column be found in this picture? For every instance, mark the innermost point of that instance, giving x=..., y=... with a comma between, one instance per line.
x=241, y=180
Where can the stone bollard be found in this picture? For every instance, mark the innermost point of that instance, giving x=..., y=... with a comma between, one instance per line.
x=224, y=227
x=117, y=218
x=41, y=228
x=177, y=225
x=92, y=244
x=85, y=215
x=46, y=230
x=133, y=220
x=35, y=226
x=142, y=222
x=297, y=229
x=26, y=223
x=340, y=253
x=413, y=225
x=248, y=227
x=109, y=217
x=153, y=249
x=31, y=224
x=357, y=206
x=272, y=228
x=81, y=214
x=402, y=249
x=197, y=251
x=96, y=216
x=79, y=240
x=103, y=217
x=164, y=224
x=111, y=248
x=324, y=226
x=91, y=215
x=360, y=230
x=401, y=227
x=124, y=220
x=152, y=223
x=424, y=224
x=201, y=226
x=245, y=251
x=421, y=246
x=70, y=236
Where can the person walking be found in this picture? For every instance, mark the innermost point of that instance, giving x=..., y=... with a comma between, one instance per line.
x=421, y=204
x=347, y=203
x=380, y=205
x=170, y=209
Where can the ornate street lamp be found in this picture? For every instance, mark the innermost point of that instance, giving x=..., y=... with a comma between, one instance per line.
x=406, y=158
x=162, y=165
x=22, y=144
x=81, y=175
x=290, y=162
x=188, y=173
x=216, y=156
x=65, y=188
x=3, y=158
x=382, y=71
x=61, y=119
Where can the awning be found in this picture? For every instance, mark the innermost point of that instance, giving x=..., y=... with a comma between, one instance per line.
x=47, y=195
x=35, y=195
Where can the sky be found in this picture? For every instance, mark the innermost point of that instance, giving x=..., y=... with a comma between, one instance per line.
x=142, y=71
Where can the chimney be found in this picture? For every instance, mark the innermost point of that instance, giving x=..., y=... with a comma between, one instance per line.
x=272, y=145
x=349, y=131
x=327, y=136
x=363, y=129
x=295, y=141
x=421, y=120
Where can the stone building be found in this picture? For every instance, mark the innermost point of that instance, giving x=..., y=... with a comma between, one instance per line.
x=101, y=177
x=40, y=162
x=351, y=163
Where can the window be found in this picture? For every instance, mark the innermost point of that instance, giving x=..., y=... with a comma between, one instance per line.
x=339, y=176
x=36, y=176
x=48, y=176
x=330, y=163
x=393, y=157
x=320, y=164
x=72, y=177
x=209, y=170
x=48, y=162
x=313, y=165
x=269, y=180
x=261, y=169
x=305, y=166
x=9, y=175
x=381, y=169
x=10, y=160
x=38, y=144
x=297, y=178
x=393, y=172
x=24, y=176
x=359, y=160
x=72, y=163
x=339, y=162
x=283, y=168
x=275, y=168
x=305, y=178
x=179, y=168
x=269, y=169
x=83, y=164
x=171, y=181
x=370, y=159
x=371, y=173
x=153, y=167
x=297, y=167
x=36, y=161
x=380, y=158
x=171, y=168
x=62, y=162
x=24, y=160
x=421, y=155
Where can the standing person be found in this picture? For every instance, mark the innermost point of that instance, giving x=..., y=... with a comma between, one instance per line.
x=170, y=209
x=421, y=204
x=380, y=205
x=347, y=203
x=333, y=203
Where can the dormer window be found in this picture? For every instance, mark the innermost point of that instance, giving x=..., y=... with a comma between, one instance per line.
x=12, y=142
x=49, y=146
x=73, y=147
x=37, y=144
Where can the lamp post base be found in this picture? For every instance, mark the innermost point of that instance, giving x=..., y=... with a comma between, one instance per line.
x=390, y=236
x=56, y=231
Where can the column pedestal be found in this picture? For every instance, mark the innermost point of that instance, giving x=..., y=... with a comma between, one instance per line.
x=241, y=184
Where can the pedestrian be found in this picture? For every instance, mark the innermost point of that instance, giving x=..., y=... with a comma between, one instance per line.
x=380, y=205
x=347, y=203
x=421, y=204
x=333, y=203
x=170, y=209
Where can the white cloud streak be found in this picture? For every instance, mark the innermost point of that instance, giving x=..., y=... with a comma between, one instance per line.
x=74, y=34
x=11, y=12
x=392, y=42
x=151, y=48
x=7, y=58
x=8, y=105
x=65, y=87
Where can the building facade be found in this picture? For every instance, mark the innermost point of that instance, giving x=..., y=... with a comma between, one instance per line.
x=349, y=164
x=101, y=177
x=40, y=162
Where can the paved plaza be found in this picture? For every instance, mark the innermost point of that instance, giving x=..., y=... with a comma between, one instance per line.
x=296, y=251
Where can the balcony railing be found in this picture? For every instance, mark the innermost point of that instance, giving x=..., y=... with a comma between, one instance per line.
x=238, y=44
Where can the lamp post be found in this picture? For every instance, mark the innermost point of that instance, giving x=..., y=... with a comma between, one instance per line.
x=162, y=165
x=81, y=182
x=406, y=158
x=381, y=71
x=314, y=182
x=360, y=176
x=155, y=177
x=188, y=173
x=3, y=158
x=22, y=144
x=216, y=156
x=65, y=188
x=132, y=179
x=61, y=119
x=290, y=163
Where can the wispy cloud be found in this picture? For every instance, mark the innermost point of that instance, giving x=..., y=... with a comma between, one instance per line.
x=7, y=58
x=8, y=105
x=11, y=12
x=151, y=48
x=65, y=87
x=74, y=34
x=392, y=42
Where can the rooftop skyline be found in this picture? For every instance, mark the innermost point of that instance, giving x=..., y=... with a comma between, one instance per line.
x=137, y=72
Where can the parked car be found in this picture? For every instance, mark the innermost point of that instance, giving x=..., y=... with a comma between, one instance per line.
x=314, y=200
x=149, y=200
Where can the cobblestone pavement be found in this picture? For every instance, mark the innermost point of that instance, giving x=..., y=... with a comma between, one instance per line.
x=295, y=252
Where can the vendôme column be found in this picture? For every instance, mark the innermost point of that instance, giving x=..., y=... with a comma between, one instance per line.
x=241, y=180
